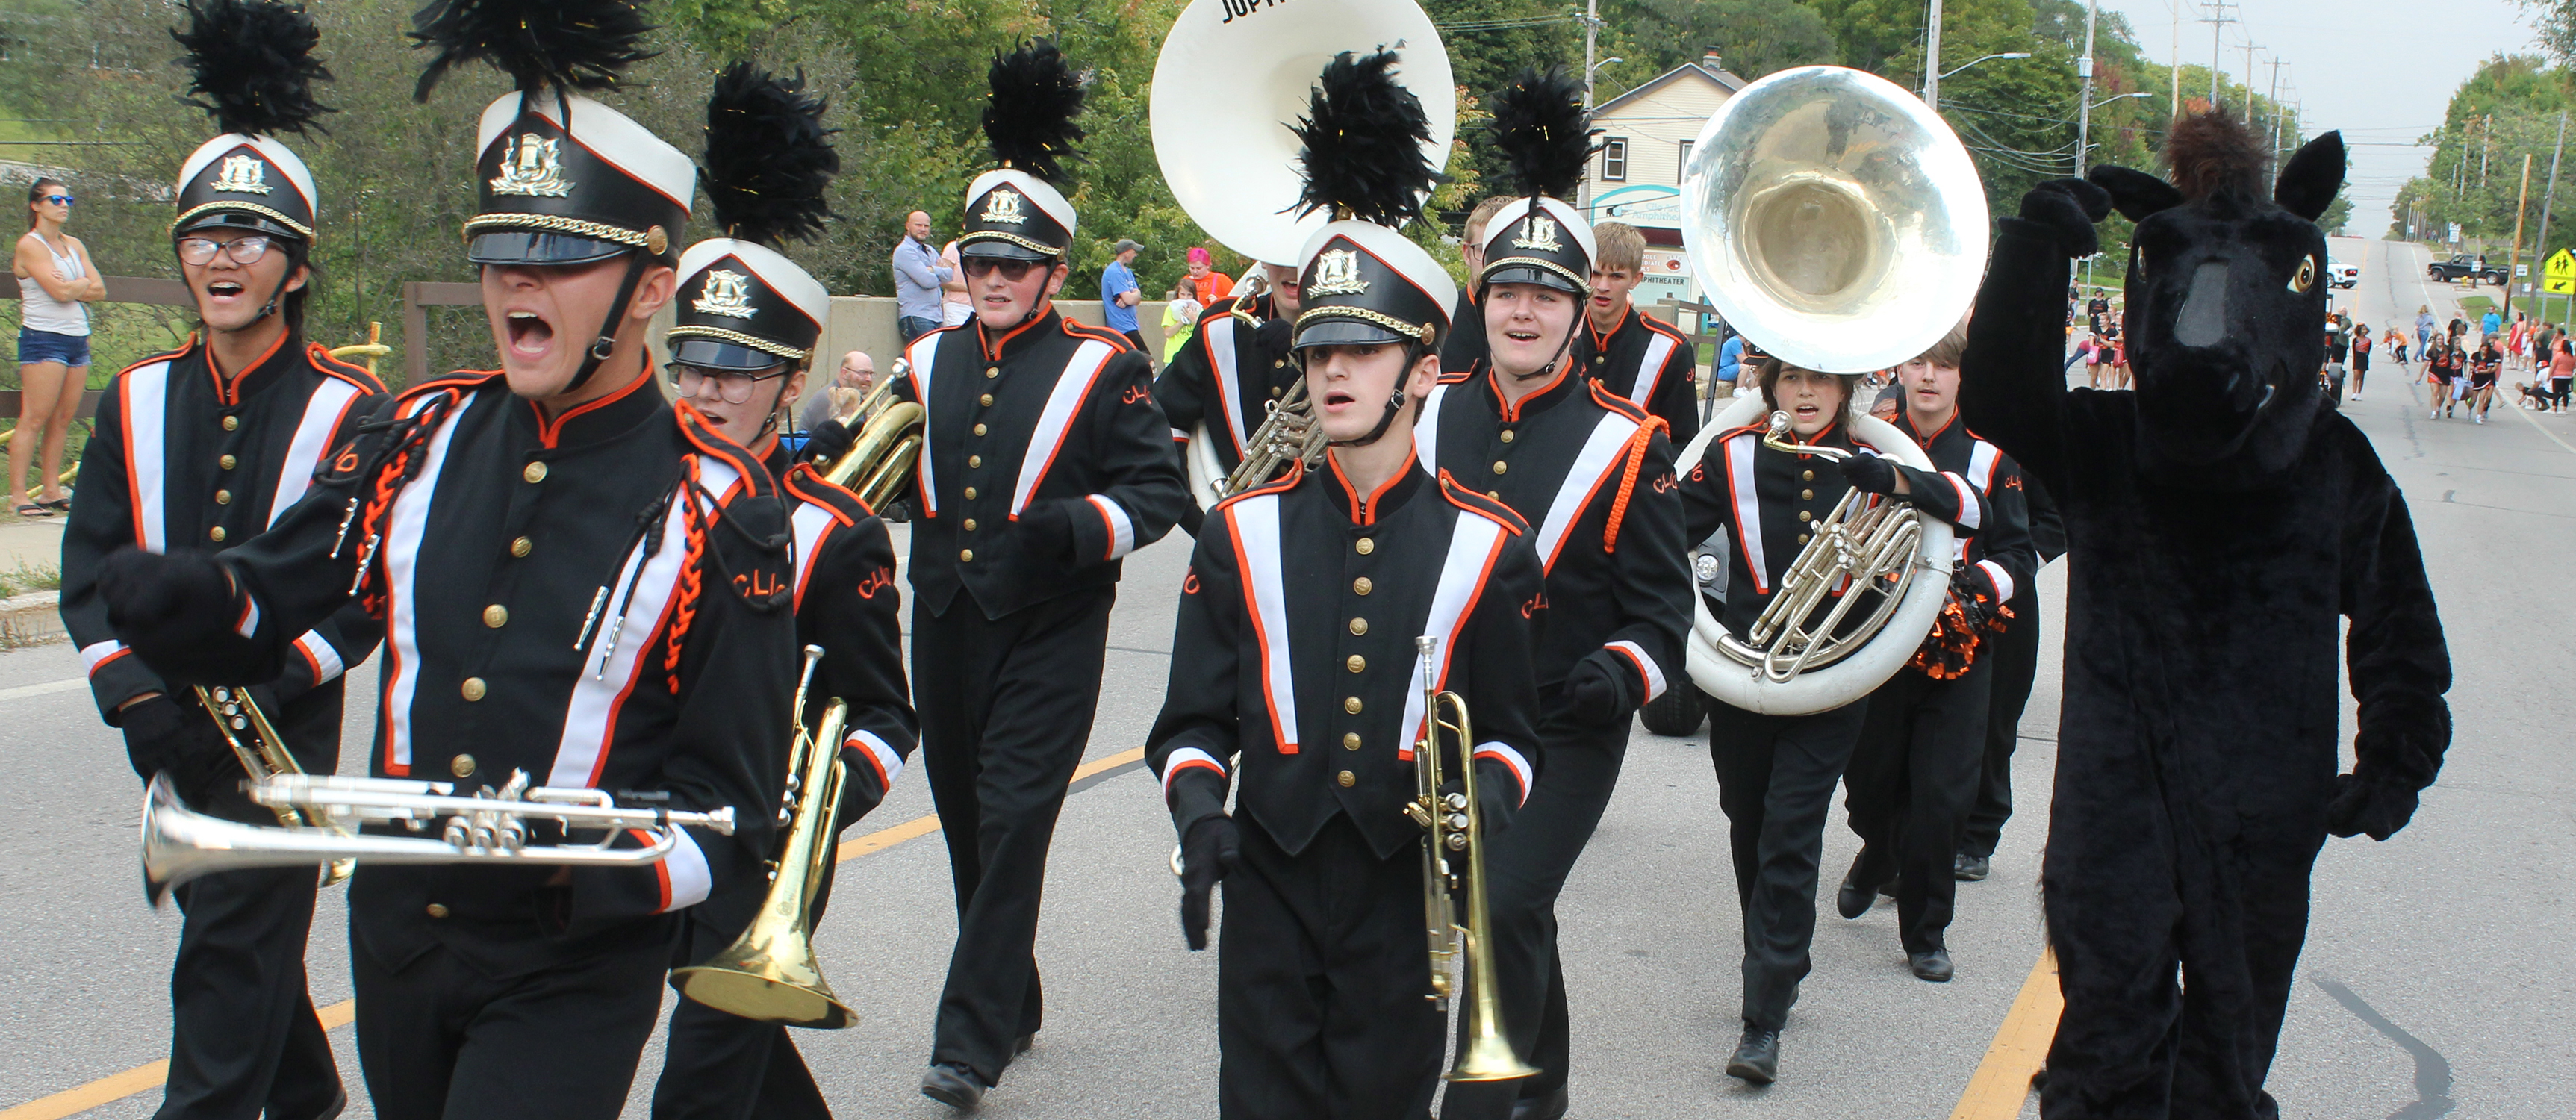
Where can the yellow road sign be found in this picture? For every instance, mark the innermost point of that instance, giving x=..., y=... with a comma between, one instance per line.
x=2558, y=274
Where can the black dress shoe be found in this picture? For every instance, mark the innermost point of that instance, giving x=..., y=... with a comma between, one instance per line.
x=954, y=1086
x=1932, y=965
x=1546, y=1106
x=1757, y=1057
x=1968, y=868
x=1855, y=897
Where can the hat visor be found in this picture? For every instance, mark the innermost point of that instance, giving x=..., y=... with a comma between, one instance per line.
x=523, y=246
x=709, y=353
x=1334, y=330
x=1530, y=274
x=996, y=247
x=236, y=219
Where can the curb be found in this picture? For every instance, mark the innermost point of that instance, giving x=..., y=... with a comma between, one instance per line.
x=31, y=619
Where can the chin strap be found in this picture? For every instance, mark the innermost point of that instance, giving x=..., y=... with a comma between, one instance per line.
x=607, y=343
x=1395, y=403
x=1562, y=349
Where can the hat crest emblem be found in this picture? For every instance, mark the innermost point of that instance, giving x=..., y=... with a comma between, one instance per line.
x=1337, y=273
x=531, y=165
x=1539, y=234
x=241, y=174
x=1003, y=206
x=726, y=293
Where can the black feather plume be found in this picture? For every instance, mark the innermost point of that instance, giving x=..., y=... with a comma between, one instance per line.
x=1543, y=133
x=568, y=44
x=1029, y=121
x=1363, y=135
x=768, y=156
x=251, y=65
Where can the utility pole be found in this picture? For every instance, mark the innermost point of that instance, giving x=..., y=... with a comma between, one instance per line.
x=2276, y=110
x=1591, y=28
x=1932, y=58
x=2084, y=96
x=2548, y=198
x=2249, y=81
x=2175, y=98
x=2217, y=19
x=2521, y=205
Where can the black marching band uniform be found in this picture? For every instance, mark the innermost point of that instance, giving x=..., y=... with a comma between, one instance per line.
x=1592, y=473
x=1466, y=344
x=189, y=455
x=1044, y=463
x=1226, y=377
x=1776, y=773
x=594, y=598
x=1916, y=773
x=1647, y=361
x=743, y=307
x=1294, y=668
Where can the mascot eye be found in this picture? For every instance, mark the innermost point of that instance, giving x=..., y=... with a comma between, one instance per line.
x=2307, y=277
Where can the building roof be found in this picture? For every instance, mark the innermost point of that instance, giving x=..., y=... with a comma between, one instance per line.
x=1686, y=71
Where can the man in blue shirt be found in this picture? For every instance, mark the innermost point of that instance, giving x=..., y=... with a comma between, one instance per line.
x=917, y=277
x=1119, y=295
x=2490, y=322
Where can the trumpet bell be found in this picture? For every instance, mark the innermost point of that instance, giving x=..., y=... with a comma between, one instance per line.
x=1230, y=77
x=1835, y=219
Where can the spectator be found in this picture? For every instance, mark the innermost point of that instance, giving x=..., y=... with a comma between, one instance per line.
x=2423, y=326
x=55, y=277
x=850, y=386
x=918, y=277
x=1179, y=316
x=1119, y=295
x=1204, y=283
x=955, y=306
x=2489, y=324
x=1730, y=361
x=2562, y=369
x=2360, y=358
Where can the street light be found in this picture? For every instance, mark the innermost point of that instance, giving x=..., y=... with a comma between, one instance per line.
x=1988, y=58
x=2118, y=97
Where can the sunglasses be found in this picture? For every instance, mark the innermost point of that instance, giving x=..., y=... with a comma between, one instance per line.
x=1012, y=269
x=57, y=199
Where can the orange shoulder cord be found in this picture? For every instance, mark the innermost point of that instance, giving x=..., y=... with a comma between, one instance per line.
x=393, y=470
x=1637, y=445
x=684, y=608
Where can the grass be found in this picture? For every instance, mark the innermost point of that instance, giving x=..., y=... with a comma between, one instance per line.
x=30, y=577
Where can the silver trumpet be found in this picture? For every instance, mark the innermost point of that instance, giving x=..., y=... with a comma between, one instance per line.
x=180, y=843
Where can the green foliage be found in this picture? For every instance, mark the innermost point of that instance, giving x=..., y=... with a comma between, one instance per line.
x=2508, y=109
x=1751, y=37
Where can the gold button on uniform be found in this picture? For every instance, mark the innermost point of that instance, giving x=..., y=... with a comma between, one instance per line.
x=1350, y=740
x=496, y=616
x=1597, y=359
x=965, y=556
x=1804, y=515
x=522, y=547
x=1361, y=585
x=1806, y=493
x=1351, y=704
x=462, y=766
x=437, y=911
x=1507, y=437
x=992, y=371
x=1347, y=779
x=227, y=462
x=216, y=534
x=536, y=472
x=1366, y=545
x=970, y=524
x=1802, y=537
x=473, y=689
x=1501, y=466
x=986, y=400
x=1356, y=662
x=1359, y=626
x=974, y=460
x=979, y=429
x=232, y=423
x=1806, y=476
x=970, y=493
x=223, y=497
x=1496, y=495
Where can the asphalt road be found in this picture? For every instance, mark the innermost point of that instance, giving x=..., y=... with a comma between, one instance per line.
x=2434, y=983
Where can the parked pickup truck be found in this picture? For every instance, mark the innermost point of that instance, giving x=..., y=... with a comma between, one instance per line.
x=2342, y=275
x=2464, y=266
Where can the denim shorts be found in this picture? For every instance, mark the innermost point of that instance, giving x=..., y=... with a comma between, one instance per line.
x=45, y=346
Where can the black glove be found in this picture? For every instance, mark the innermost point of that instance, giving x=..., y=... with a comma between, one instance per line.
x=826, y=442
x=175, y=610
x=1593, y=696
x=1873, y=474
x=1047, y=527
x=1498, y=797
x=174, y=736
x=1209, y=851
x=2363, y=805
x=860, y=793
x=2069, y=207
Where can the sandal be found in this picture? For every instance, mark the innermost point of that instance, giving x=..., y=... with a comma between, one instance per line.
x=63, y=503
x=32, y=510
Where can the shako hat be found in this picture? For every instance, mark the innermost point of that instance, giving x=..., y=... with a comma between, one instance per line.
x=1546, y=140
x=562, y=179
x=742, y=304
x=1016, y=211
x=1361, y=280
x=251, y=67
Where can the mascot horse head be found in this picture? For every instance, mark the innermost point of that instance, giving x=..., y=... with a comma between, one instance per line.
x=2226, y=293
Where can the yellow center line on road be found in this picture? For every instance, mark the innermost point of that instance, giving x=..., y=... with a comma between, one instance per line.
x=144, y=1078
x=2001, y=1084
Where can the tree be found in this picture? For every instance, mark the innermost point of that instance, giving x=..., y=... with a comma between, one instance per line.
x=1752, y=37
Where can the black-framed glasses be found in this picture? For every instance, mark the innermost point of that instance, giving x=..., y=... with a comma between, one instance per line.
x=1012, y=269
x=59, y=199
x=731, y=386
x=243, y=250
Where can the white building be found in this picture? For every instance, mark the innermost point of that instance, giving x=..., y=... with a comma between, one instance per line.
x=1646, y=136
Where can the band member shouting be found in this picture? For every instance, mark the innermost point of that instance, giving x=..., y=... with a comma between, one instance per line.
x=1294, y=664
x=1638, y=356
x=747, y=322
x=204, y=448
x=1914, y=777
x=1229, y=375
x=1044, y=463
x=1593, y=474
x=581, y=587
x=1776, y=773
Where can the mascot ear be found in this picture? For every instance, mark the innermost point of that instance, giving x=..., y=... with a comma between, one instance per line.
x=2135, y=194
x=2315, y=174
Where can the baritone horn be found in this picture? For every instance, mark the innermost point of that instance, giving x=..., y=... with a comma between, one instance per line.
x=770, y=972
x=888, y=431
x=1453, y=829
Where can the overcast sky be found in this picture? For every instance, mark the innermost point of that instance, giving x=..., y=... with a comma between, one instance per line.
x=2380, y=70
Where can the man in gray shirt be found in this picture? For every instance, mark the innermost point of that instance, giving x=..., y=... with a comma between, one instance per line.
x=917, y=277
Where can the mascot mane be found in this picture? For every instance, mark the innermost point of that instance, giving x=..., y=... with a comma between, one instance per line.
x=2213, y=153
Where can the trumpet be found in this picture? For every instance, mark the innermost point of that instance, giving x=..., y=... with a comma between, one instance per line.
x=770, y=972
x=1452, y=823
x=888, y=443
x=235, y=713
x=180, y=844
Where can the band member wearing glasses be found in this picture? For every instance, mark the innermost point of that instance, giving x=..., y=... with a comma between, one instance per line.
x=1231, y=372
x=581, y=587
x=1295, y=669
x=201, y=450
x=1776, y=774
x=1593, y=475
x=1044, y=463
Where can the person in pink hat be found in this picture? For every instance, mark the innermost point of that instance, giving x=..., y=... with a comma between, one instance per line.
x=1204, y=283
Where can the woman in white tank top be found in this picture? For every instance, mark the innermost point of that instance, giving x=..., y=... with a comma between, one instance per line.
x=55, y=278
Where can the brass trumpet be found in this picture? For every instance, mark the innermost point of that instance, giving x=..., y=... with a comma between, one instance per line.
x=237, y=713
x=1452, y=823
x=888, y=443
x=770, y=972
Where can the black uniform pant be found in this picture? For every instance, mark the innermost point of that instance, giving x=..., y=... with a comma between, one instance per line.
x=1006, y=707
x=1321, y=970
x=1775, y=780
x=243, y=1036
x=2015, y=653
x=441, y=1038
x=1525, y=869
x=721, y=1066
x=1908, y=789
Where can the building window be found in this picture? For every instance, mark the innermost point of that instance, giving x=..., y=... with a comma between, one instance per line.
x=1683, y=168
x=1614, y=159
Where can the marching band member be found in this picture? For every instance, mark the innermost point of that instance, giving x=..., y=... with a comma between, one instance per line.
x=205, y=447
x=1594, y=474
x=1914, y=776
x=1232, y=370
x=1638, y=356
x=1293, y=664
x=581, y=587
x=1466, y=344
x=1776, y=774
x=747, y=322
x=1044, y=462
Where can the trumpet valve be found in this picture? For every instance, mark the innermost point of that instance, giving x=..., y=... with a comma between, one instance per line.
x=1457, y=839
x=1455, y=801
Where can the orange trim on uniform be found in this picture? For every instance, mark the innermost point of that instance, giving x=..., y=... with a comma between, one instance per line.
x=548, y=431
x=228, y=390
x=661, y=867
x=356, y=375
x=1187, y=763
x=1364, y=510
x=1512, y=411
x=810, y=487
x=103, y=662
x=1260, y=636
x=991, y=348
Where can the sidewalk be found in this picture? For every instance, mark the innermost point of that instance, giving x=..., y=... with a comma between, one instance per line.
x=30, y=543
